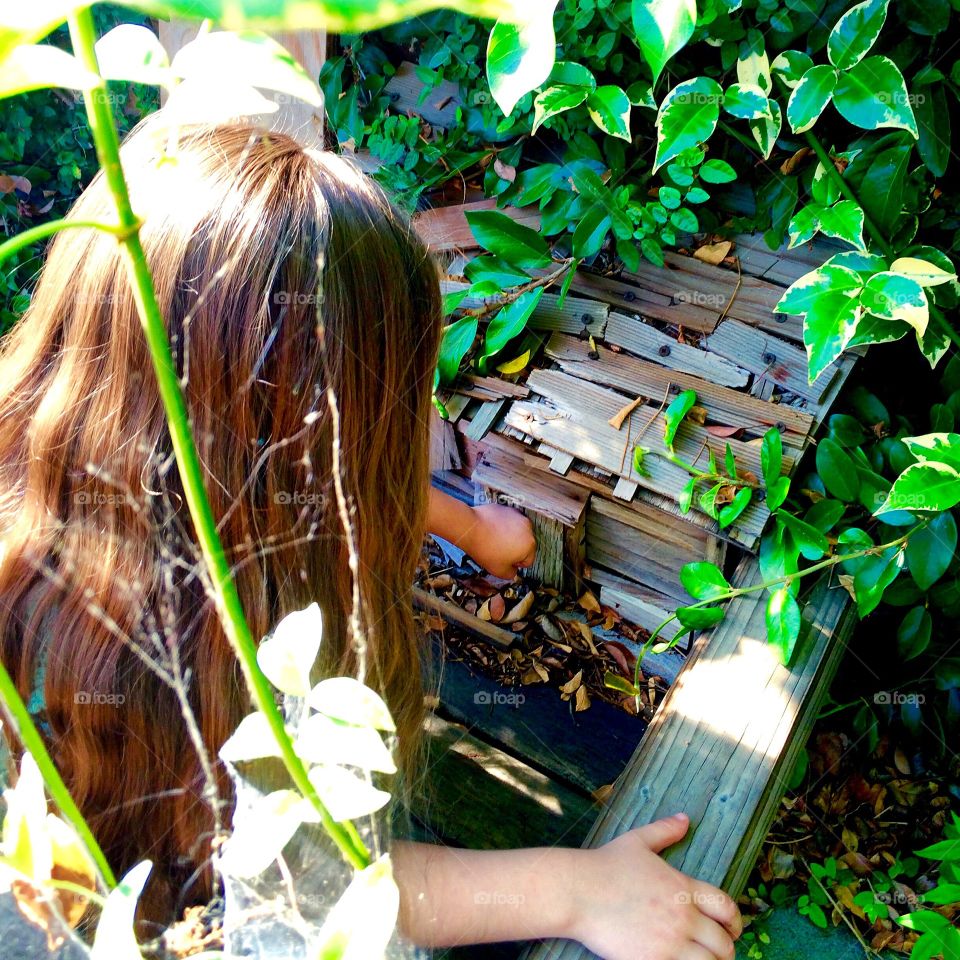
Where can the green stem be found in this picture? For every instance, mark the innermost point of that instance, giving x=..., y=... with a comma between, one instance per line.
x=766, y=584
x=32, y=741
x=44, y=230
x=103, y=128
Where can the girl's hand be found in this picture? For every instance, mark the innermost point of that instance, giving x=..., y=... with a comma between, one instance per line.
x=631, y=905
x=500, y=539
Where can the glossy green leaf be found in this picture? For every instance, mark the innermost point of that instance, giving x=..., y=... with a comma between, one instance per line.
x=810, y=97
x=591, y=231
x=766, y=129
x=35, y=67
x=704, y=581
x=674, y=415
x=892, y=296
x=837, y=471
x=687, y=117
x=923, y=487
x=873, y=95
x=699, y=618
x=556, y=99
x=931, y=550
x=790, y=66
x=855, y=33
x=937, y=447
x=809, y=540
x=495, y=269
x=457, y=339
x=783, y=622
x=609, y=108
x=745, y=101
x=613, y=681
x=115, y=938
x=729, y=512
x=932, y=112
x=521, y=56
x=661, y=28
x=771, y=456
x=510, y=321
x=685, y=499
x=514, y=242
x=717, y=171
x=925, y=273
x=913, y=634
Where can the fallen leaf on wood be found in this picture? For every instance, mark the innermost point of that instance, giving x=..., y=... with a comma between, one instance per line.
x=581, y=700
x=725, y=494
x=717, y=430
x=846, y=581
x=713, y=253
x=697, y=414
x=589, y=602
x=616, y=421
x=520, y=610
x=572, y=685
x=602, y=793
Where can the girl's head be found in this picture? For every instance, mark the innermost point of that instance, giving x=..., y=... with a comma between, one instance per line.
x=279, y=271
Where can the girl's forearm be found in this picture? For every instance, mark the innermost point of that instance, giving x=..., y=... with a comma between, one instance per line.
x=450, y=897
x=450, y=518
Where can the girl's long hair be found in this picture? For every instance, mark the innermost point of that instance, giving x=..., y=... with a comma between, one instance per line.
x=279, y=272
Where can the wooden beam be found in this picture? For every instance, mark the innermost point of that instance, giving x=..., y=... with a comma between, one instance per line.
x=721, y=745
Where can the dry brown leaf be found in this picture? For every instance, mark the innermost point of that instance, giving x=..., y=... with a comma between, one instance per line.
x=504, y=170
x=718, y=430
x=442, y=581
x=794, y=160
x=725, y=494
x=850, y=840
x=698, y=414
x=587, y=635
x=846, y=581
x=589, y=602
x=582, y=700
x=616, y=421
x=572, y=685
x=520, y=610
x=550, y=629
x=484, y=612
x=901, y=762
x=602, y=793
x=713, y=253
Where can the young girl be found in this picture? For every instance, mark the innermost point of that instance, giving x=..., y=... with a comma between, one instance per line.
x=279, y=271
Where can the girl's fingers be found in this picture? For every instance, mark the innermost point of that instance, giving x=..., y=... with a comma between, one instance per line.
x=715, y=904
x=709, y=934
x=694, y=951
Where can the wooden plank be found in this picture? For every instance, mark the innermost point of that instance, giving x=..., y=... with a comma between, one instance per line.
x=299, y=119
x=443, y=445
x=717, y=748
x=639, y=604
x=637, y=377
x=485, y=418
x=438, y=107
x=469, y=778
x=458, y=617
x=446, y=228
x=574, y=418
x=647, y=341
x=768, y=357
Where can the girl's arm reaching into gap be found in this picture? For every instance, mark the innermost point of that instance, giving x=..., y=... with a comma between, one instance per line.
x=499, y=538
x=621, y=900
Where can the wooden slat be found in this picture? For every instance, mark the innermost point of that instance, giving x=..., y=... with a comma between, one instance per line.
x=438, y=107
x=575, y=419
x=768, y=357
x=446, y=228
x=457, y=616
x=645, y=340
x=638, y=377
x=719, y=745
x=638, y=603
x=485, y=418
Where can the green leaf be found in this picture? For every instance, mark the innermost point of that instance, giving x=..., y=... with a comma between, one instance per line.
x=824, y=514
x=932, y=112
x=927, y=921
x=855, y=33
x=872, y=95
x=569, y=73
x=717, y=171
x=730, y=511
x=613, y=681
x=771, y=456
x=252, y=740
x=674, y=415
x=938, y=447
x=556, y=99
x=704, y=581
x=828, y=298
x=346, y=795
x=943, y=850
x=687, y=116
x=591, y=231
x=810, y=97
x=809, y=540
x=686, y=495
x=609, y=108
x=669, y=197
x=708, y=500
x=699, y=618
x=783, y=622
x=514, y=242
x=131, y=52
x=457, y=339
x=35, y=67
x=745, y=101
x=923, y=487
x=925, y=273
x=686, y=220
x=325, y=740
x=791, y=65
x=510, y=321
x=496, y=269
x=766, y=129
x=913, y=634
x=520, y=56
x=931, y=549
x=892, y=296
x=837, y=470
x=661, y=28
x=777, y=493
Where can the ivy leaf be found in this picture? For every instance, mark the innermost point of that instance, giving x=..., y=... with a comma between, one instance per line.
x=457, y=339
x=855, y=33
x=730, y=511
x=708, y=500
x=590, y=232
x=661, y=28
x=844, y=221
x=704, y=581
x=828, y=299
x=914, y=632
x=491, y=267
x=893, y=296
x=349, y=700
x=783, y=622
x=873, y=95
x=931, y=549
x=346, y=795
x=674, y=415
x=810, y=97
x=791, y=65
x=520, y=56
x=510, y=321
x=287, y=656
x=766, y=129
x=252, y=740
x=609, y=108
x=33, y=67
x=556, y=99
x=925, y=273
x=717, y=171
x=745, y=101
x=699, y=618
x=923, y=487
x=874, y=577
x=516, y=243
x=687, y=117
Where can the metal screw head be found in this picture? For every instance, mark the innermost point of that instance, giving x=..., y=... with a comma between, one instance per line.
x=585, y=319
x=664, y=350
x=769, y=357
